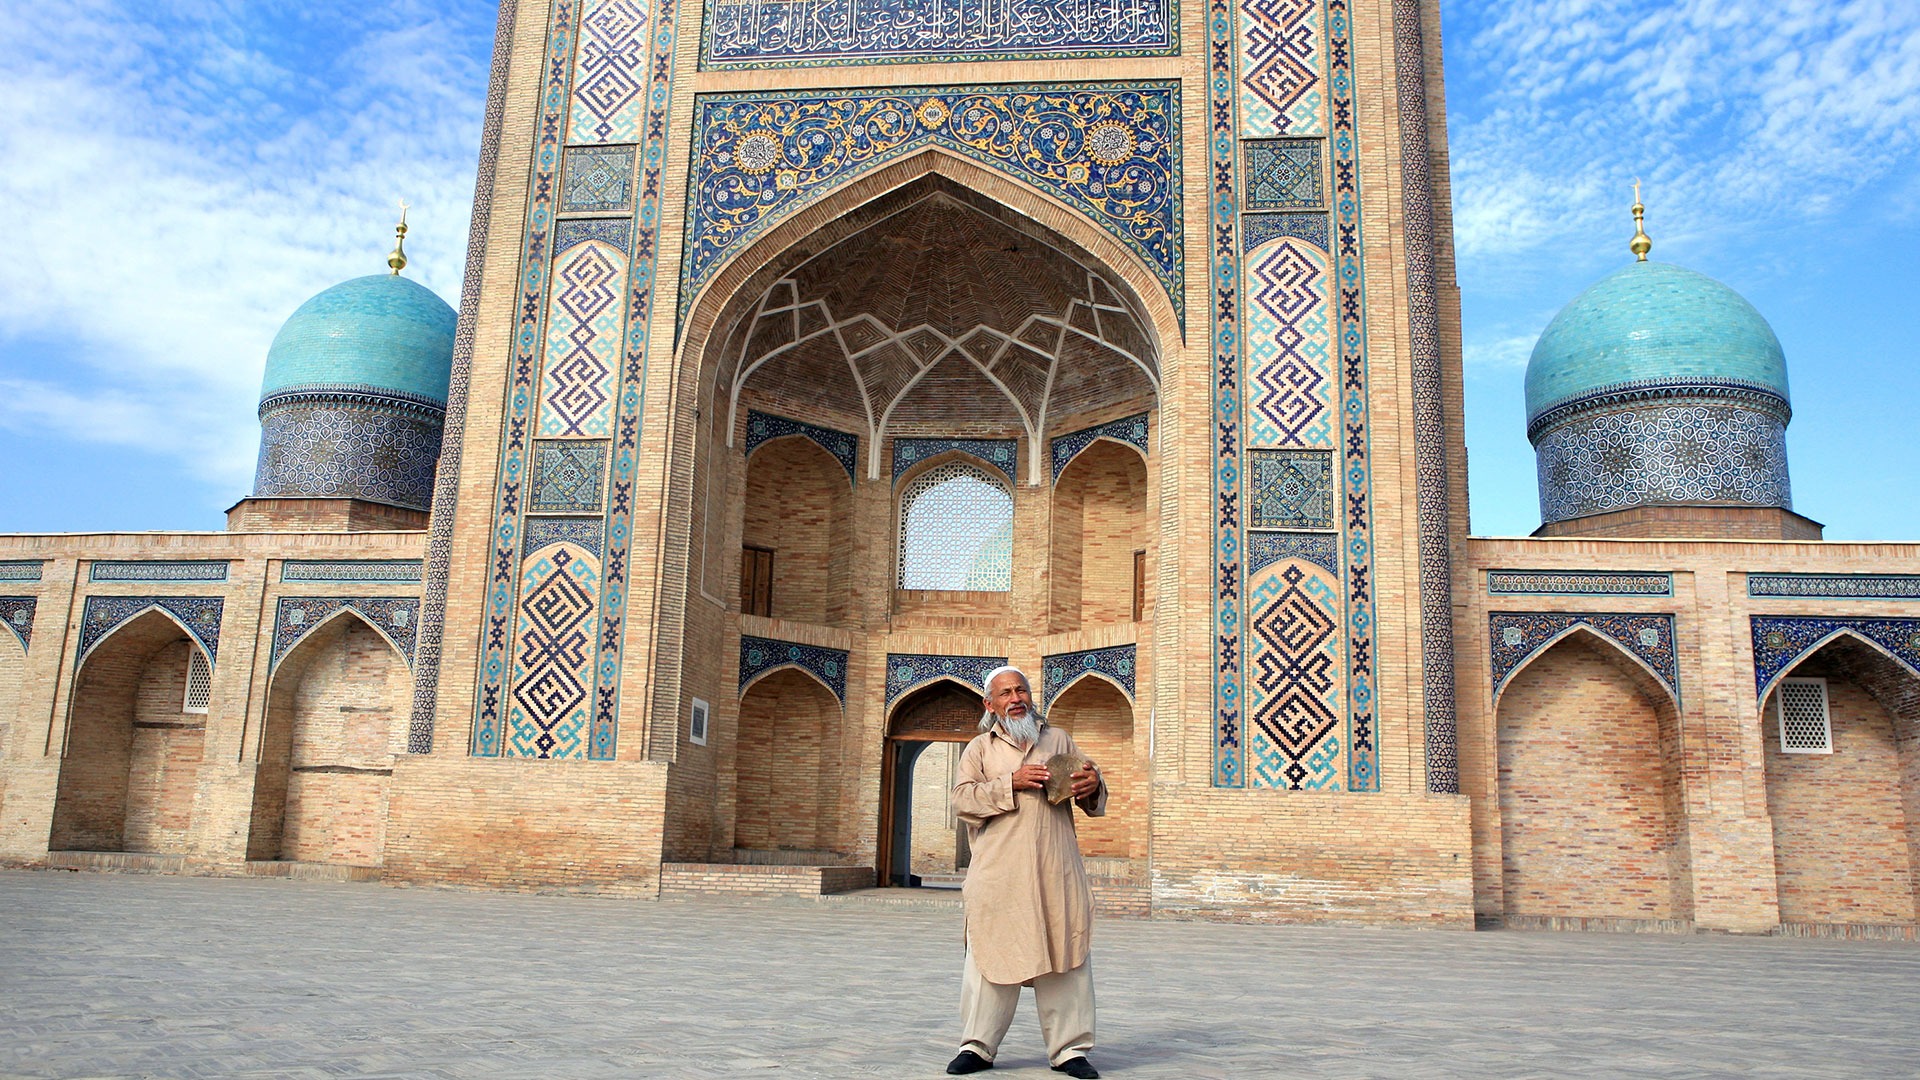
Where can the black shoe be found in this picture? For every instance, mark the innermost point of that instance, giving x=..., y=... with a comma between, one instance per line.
x=970, y=1062
x=1079, y=1068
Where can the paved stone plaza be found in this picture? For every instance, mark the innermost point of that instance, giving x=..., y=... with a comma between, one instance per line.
x=112, y=975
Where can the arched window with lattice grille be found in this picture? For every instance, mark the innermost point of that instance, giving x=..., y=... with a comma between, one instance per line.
x=956, y=531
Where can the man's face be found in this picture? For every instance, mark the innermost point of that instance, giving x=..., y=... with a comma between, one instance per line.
x=1009, y=697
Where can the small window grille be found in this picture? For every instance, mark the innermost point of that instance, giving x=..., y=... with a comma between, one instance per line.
x=956, y=531
x=199, y=682
x=1801, y=709
x=697, y=723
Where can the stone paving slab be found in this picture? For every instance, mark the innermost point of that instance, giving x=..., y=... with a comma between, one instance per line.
x=106, y=975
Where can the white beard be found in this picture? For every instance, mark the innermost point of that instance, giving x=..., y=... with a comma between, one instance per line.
x=1024, y=730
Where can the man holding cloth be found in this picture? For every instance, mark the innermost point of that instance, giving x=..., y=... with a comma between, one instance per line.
x=1029, y=910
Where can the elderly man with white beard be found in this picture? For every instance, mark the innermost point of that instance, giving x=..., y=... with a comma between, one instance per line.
x=1029, y=910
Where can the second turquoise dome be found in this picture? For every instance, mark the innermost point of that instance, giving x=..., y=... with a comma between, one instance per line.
x=1653, y=325
x=379, y=332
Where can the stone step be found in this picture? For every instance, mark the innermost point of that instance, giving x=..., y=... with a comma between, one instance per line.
x=123, y=862
x=312, y=871
x=679, y=880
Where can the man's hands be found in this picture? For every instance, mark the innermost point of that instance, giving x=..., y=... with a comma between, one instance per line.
x=1086, y=781
x=1030, y=777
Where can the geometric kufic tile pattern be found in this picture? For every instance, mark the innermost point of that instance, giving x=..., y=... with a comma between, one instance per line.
x=20, y=570
x=598, y=180
x=395, y=570
x=1836, y=586
x=1431, y=477
x=1266, y=548
x=750, y=35
x=581, y=532
x=1106, y=149
x=568, y=477
x=396, y=618
x=16, y=612
x=1578, y=583
x=200, y=615
x=764, y=427
x=1289, y=346
x=553, y=657
x=1292, y=489
x=1284, y=174
x=1281, y=90
x=1780, y=641
x=159, y=570
x=1295, y=679
x=1666, y=453
x=610, y=73
x=1063, y=669
x=1516, y=636
x=905, y=671
x=583, y=341
x=1002, y=454
x=761, y=655
x=1131, y=430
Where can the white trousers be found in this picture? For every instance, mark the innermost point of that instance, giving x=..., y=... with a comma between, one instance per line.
x=1064, y=1000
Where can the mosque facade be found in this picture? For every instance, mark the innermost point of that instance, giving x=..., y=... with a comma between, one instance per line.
x=814, y=359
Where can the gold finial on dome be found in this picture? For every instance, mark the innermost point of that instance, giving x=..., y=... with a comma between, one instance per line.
x=398, y=257
x=1642, y=243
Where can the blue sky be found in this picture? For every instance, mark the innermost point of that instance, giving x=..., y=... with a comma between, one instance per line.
x=181, y=175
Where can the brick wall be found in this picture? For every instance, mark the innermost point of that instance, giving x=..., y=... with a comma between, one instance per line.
x=163, y=763
x=935, y=836
x=1100, y=719
x=789, y=767
x=1587, y=792
x=1840, y=830
x=798, y=504
x=1099, y=521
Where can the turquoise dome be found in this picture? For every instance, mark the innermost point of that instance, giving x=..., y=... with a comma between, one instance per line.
x=1653, y=326
x=382, y=332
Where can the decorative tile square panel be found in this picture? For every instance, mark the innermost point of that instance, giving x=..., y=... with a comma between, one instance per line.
x=20, y=570
x=597, y=180
x=754, y=34
x=1284, y=174
x=1292, y=489
x=569, y=477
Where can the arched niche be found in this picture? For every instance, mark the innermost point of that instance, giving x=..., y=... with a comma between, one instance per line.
x=1099, y=716
x=13, y=665
x=336, y=716
x=1844, y=821
x=921, y=838
x=789, y=764
x=1592, y=813
x=1099, y=523
x=796, y=533
x=130, y=764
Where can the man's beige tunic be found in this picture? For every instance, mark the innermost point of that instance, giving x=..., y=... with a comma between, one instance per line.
x=1029, y=911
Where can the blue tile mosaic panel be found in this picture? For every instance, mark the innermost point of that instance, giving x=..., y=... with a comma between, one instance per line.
x=1002, y=454
x=199, y=615
x=585, y=533
x=610, y=72
x=16, y=614
x=1061, y=670
x=1836, y=586
x=1578, y=583
x=1292, y=489
x=1664, y=454
x=755, y=34
x=1322, y=549
x=336, y=445
x=553, y=663
x=396, y=618
x=584, y=330
x=1289, y=338
x=1106, y=149
x=1258, y=229
x=1781, y=641
x=597, y=180
x=1517, y=637
x=616, y=233
x=20, y=570
x=845, y=447
x=568, y=477
x=395, y=570
x=758, y=656
x=1285, y=174
x=159, y=570
x=1282, y=84
x=1296, y=693
x=907, y=671
x=1131, y=430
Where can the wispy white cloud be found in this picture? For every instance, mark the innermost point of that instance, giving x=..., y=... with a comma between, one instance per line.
x=1739, y=114
x=178, y=182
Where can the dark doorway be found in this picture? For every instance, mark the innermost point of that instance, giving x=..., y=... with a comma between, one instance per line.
x=941, y=716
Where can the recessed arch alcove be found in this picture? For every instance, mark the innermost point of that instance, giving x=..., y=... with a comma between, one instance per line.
x=335, y=719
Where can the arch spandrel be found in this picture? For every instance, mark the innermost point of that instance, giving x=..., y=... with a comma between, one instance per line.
x=1781, y=642
x=1650, y=682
